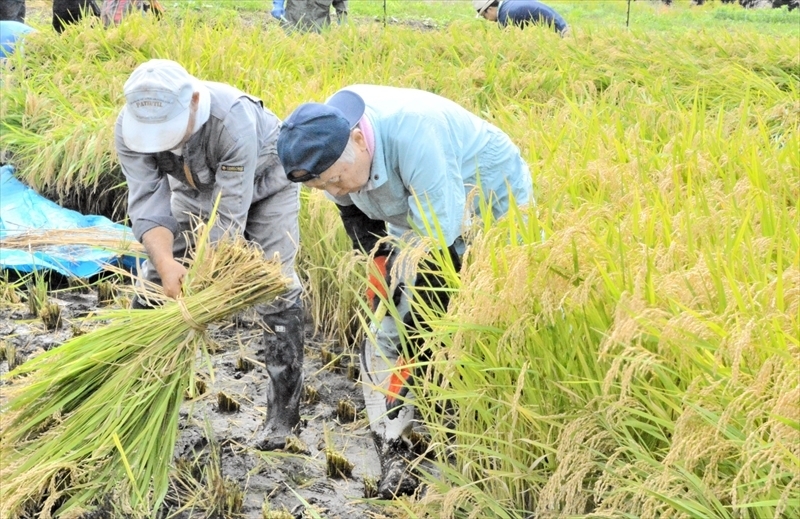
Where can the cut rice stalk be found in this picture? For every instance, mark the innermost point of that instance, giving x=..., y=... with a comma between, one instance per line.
x=107, y=402
x=99, y=237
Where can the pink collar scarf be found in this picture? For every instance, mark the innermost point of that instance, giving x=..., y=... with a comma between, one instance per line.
x=369, y=135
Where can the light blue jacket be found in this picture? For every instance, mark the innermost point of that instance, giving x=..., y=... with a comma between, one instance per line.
x=431, y=147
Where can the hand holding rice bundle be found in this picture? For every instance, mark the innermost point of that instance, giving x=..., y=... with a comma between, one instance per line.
x=97, y=417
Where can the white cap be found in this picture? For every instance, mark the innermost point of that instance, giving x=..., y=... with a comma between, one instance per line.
x=158, y=97
x=481, y=5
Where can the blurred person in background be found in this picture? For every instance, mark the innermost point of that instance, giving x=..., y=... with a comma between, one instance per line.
x=520, y=13
x=397, y=161
x=12, y=10
x=11, y=33
x=313, y=15
x=277, y=9
x=66, y=12
x=113, y=11
x=183, y=142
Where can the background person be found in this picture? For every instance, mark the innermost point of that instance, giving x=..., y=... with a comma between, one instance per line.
x=520, y=13
x=66, y=12
x=113, y=11
x=10, y=34
x=277, y=9
x=12, y=10
x=181, y=142
x=393, y=159
x=313, y=15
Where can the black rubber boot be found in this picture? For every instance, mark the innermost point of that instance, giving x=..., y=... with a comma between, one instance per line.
x=397, y=477
x=283, y=355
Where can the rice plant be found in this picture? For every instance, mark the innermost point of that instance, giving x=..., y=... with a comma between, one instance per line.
x=11, y=292
x=50, y=314
x=226, y=403
x=629, y=347
x=106, y=293
x=268, y=513
x=337, y=465
x=96, y=418
x=37, y=293
x=310, y=394
x=331, y=274
x=345, y=411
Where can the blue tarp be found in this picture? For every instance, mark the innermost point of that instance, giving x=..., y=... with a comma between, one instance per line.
x=22, y=210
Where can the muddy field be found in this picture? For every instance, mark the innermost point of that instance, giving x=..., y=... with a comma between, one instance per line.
x=213, y=446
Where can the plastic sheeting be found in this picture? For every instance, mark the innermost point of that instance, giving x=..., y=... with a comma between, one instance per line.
x=22, y=210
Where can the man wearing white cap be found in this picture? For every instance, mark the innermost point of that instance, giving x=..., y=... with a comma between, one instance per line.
x=520, y=13
x=182, y=142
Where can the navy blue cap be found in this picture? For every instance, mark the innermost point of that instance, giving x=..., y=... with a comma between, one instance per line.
x=314, y=136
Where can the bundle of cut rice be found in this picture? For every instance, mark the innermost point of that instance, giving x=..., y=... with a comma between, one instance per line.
x=96, y=419
x=98, y=237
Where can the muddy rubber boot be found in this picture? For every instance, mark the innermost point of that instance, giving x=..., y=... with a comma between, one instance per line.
x=397, y=477
x=283, y=355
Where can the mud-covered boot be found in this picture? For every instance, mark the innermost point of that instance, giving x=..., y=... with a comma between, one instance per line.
x=283, y=355
x=397, y=477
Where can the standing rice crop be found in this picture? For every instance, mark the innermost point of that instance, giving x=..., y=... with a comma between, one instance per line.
x=330, y=268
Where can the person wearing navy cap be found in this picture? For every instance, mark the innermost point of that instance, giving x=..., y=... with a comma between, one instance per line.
x=182, y=143
x=398, y=161
x=520, y=13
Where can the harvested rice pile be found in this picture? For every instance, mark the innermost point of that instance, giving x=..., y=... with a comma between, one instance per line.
x=96, y=418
